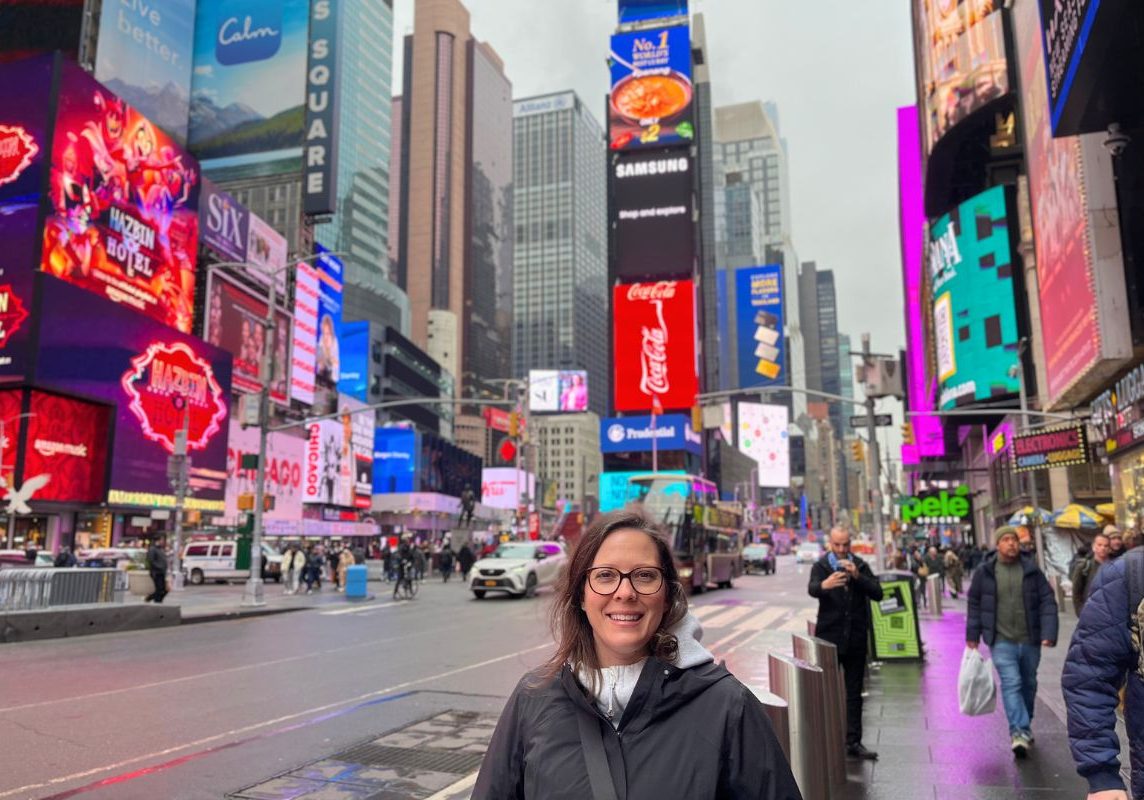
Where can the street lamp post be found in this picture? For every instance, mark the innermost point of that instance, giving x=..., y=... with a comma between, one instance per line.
x=11, y=488
x=1038, y=534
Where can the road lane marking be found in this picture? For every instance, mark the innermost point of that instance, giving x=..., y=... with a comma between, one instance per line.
x=763, y=619
x=459, y=786
x=362, y=609
x=256, y=726
x=728, y=616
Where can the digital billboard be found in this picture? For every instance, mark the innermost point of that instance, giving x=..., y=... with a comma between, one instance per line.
x=642, y=10
x=248, y=91
x=145, y=56
x=963, y=64
x=921, y=394
x=224, y=223
x=444, y=468
x=649, y=104
x=763, y=435
x=353, y=345
x=124, y=218
x=759, y=326
x=284, y=460
x=636, y=434
x=359, y=459
x=67, y=439
x=974, y=311
x=330, y=280
x=557, y=390
x=304, y=354
x=235, y=321
x=615, y=491
x=394, y=460
x=339, y=458
x=266, y=249
x=1047, y=448
x=654, y=345
x=25, y=92
x=1066, y=281
x=157, y=378
x=20, y=249
x=11, y=404
x=501, y=487
x=652, y=199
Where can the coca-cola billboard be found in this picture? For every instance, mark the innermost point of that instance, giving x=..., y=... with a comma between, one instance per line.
x=654, y=345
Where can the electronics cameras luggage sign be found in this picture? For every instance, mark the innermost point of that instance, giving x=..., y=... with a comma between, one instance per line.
x=654, y=341
x=1052, y=447
x=319, y=180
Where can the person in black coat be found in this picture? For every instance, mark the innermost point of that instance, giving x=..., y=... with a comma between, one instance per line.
x=844, y=586
x=157, y=566
x=630, y=705
x=466, y=559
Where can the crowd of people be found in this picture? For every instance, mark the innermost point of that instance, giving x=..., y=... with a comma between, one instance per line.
x=308, y=565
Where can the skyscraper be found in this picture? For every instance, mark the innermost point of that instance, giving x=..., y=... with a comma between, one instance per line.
x=455, y=249
x=560, y=262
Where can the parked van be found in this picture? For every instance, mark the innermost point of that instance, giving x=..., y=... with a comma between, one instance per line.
x=216, y=561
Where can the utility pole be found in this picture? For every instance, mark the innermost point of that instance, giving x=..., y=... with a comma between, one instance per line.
x=178, y=472
x=1038, y=535
x=875, y=463
x=252, y=594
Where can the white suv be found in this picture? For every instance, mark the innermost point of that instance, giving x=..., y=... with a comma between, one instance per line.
x=518, y=569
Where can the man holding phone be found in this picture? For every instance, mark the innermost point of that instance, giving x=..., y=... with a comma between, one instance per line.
x=844, y=585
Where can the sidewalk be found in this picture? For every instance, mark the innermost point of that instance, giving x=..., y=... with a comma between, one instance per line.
x=929, y=749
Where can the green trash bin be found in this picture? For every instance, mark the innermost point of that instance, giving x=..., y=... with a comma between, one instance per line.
x=896, y=635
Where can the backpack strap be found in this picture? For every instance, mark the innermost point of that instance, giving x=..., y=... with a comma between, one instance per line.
x=595, y=758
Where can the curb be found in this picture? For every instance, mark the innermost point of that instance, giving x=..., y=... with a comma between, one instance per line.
x=221, y=616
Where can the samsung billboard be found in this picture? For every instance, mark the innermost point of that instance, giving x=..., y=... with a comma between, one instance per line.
x=652, y=199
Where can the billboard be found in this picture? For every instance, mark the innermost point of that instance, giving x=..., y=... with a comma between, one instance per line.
x=224, y=223
x=353, y=346
x=394, y=460
x=20, y=249
x=320, y=167
x=974, y=311
x=145, y=56
x=330, y=279
x=124, y=218
x=557, y=390
x=963, y=64
x=339, y=458
x=157, y=378
x=501, y=487
x=759, y=326
x=615, y=491
x=235, y=321
x=25, y=91
x=67, y=439
x=636, y=434
x=649, y=104
x=266, y=248
x=763, y=435
x=284, y=459
x=248, y=91
x=641, y=10
x=654, y=345
x=304, y=353
x=652, y=198
x=1051, y=447
x=444, y=468
x=921, y=394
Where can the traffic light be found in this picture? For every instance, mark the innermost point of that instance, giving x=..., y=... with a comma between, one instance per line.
x=697, y=418
x=908, y=434
x=514, y=424
x=858, y=451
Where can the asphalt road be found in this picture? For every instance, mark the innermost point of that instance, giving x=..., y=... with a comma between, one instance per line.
x=200, y=711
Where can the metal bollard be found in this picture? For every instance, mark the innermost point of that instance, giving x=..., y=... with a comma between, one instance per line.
x=811, y=627
x=824, y=655
x=933, y=586
x=778, y=712
x=802, y=686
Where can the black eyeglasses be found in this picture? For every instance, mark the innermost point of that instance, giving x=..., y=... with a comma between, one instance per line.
x=606, y=580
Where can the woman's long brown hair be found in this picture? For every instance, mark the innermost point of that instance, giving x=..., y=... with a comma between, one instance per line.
x=570, y=627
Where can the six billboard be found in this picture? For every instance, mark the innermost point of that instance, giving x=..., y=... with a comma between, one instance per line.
x=653, y=232
x=654, y=345
x=124, y=204
x=974, y=311
x=145, y=55
x=650, y=102
x=759, y=326
x=224, y=223
x=235, y=321
x=763, y=435
x=248, y=91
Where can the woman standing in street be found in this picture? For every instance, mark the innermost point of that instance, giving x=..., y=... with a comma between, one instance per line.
x=630, y=699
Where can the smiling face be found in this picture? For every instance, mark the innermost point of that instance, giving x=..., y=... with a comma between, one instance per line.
x=624, y=621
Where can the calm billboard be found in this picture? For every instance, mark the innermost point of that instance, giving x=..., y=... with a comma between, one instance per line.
x=653, y=344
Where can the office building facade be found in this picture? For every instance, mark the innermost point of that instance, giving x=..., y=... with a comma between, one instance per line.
x=569, y=454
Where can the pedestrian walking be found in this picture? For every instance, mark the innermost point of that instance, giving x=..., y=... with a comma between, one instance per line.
x=630, y=698
x=420, y=560
x=446, y=564
x=1084, y=573
x=934, y=566
x=1115, y=542
x=466, y=559
x=1104, y=655
x=345, y=561
x=65, y=558
x=157, y=566
x=953, y=572
x=313, y=573
x=333, y=556
x=844, y=585
x=297, y=567
x=1012, y=609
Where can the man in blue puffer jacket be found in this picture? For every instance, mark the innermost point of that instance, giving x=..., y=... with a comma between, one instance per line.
x=1100, y=656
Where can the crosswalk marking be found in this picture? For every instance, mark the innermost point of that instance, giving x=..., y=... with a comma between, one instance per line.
x=796, y=625
x=728, y=616
x=361, y=609
x=761, y=620
x=703, y=612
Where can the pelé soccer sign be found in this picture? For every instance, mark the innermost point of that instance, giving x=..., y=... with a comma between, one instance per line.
x=938, y=507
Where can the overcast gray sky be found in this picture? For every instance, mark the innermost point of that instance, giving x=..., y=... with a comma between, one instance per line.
x=837, y=69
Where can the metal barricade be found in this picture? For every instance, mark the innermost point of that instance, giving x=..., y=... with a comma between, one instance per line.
x=824, y=655
x=802, y=686
x=30, y=589
x=778, y=712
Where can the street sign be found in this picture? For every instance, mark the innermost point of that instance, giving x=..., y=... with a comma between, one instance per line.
x=880, y=420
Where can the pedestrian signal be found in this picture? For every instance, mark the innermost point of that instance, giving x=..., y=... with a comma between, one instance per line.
x=908, y=434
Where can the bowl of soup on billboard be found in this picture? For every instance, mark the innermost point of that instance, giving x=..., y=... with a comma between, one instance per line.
x=650, y=97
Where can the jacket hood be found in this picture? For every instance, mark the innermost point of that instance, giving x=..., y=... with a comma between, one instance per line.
x=689, y=631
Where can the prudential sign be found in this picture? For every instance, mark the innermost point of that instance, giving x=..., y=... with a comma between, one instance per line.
x=635, y=434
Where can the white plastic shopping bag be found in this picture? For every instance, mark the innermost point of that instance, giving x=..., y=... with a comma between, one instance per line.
x=976, y=694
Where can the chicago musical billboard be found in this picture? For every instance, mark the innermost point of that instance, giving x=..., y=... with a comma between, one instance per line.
x=654, y=345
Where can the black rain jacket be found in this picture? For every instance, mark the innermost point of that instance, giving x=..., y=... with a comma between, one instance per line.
x=844, y=613
x=694, y=734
